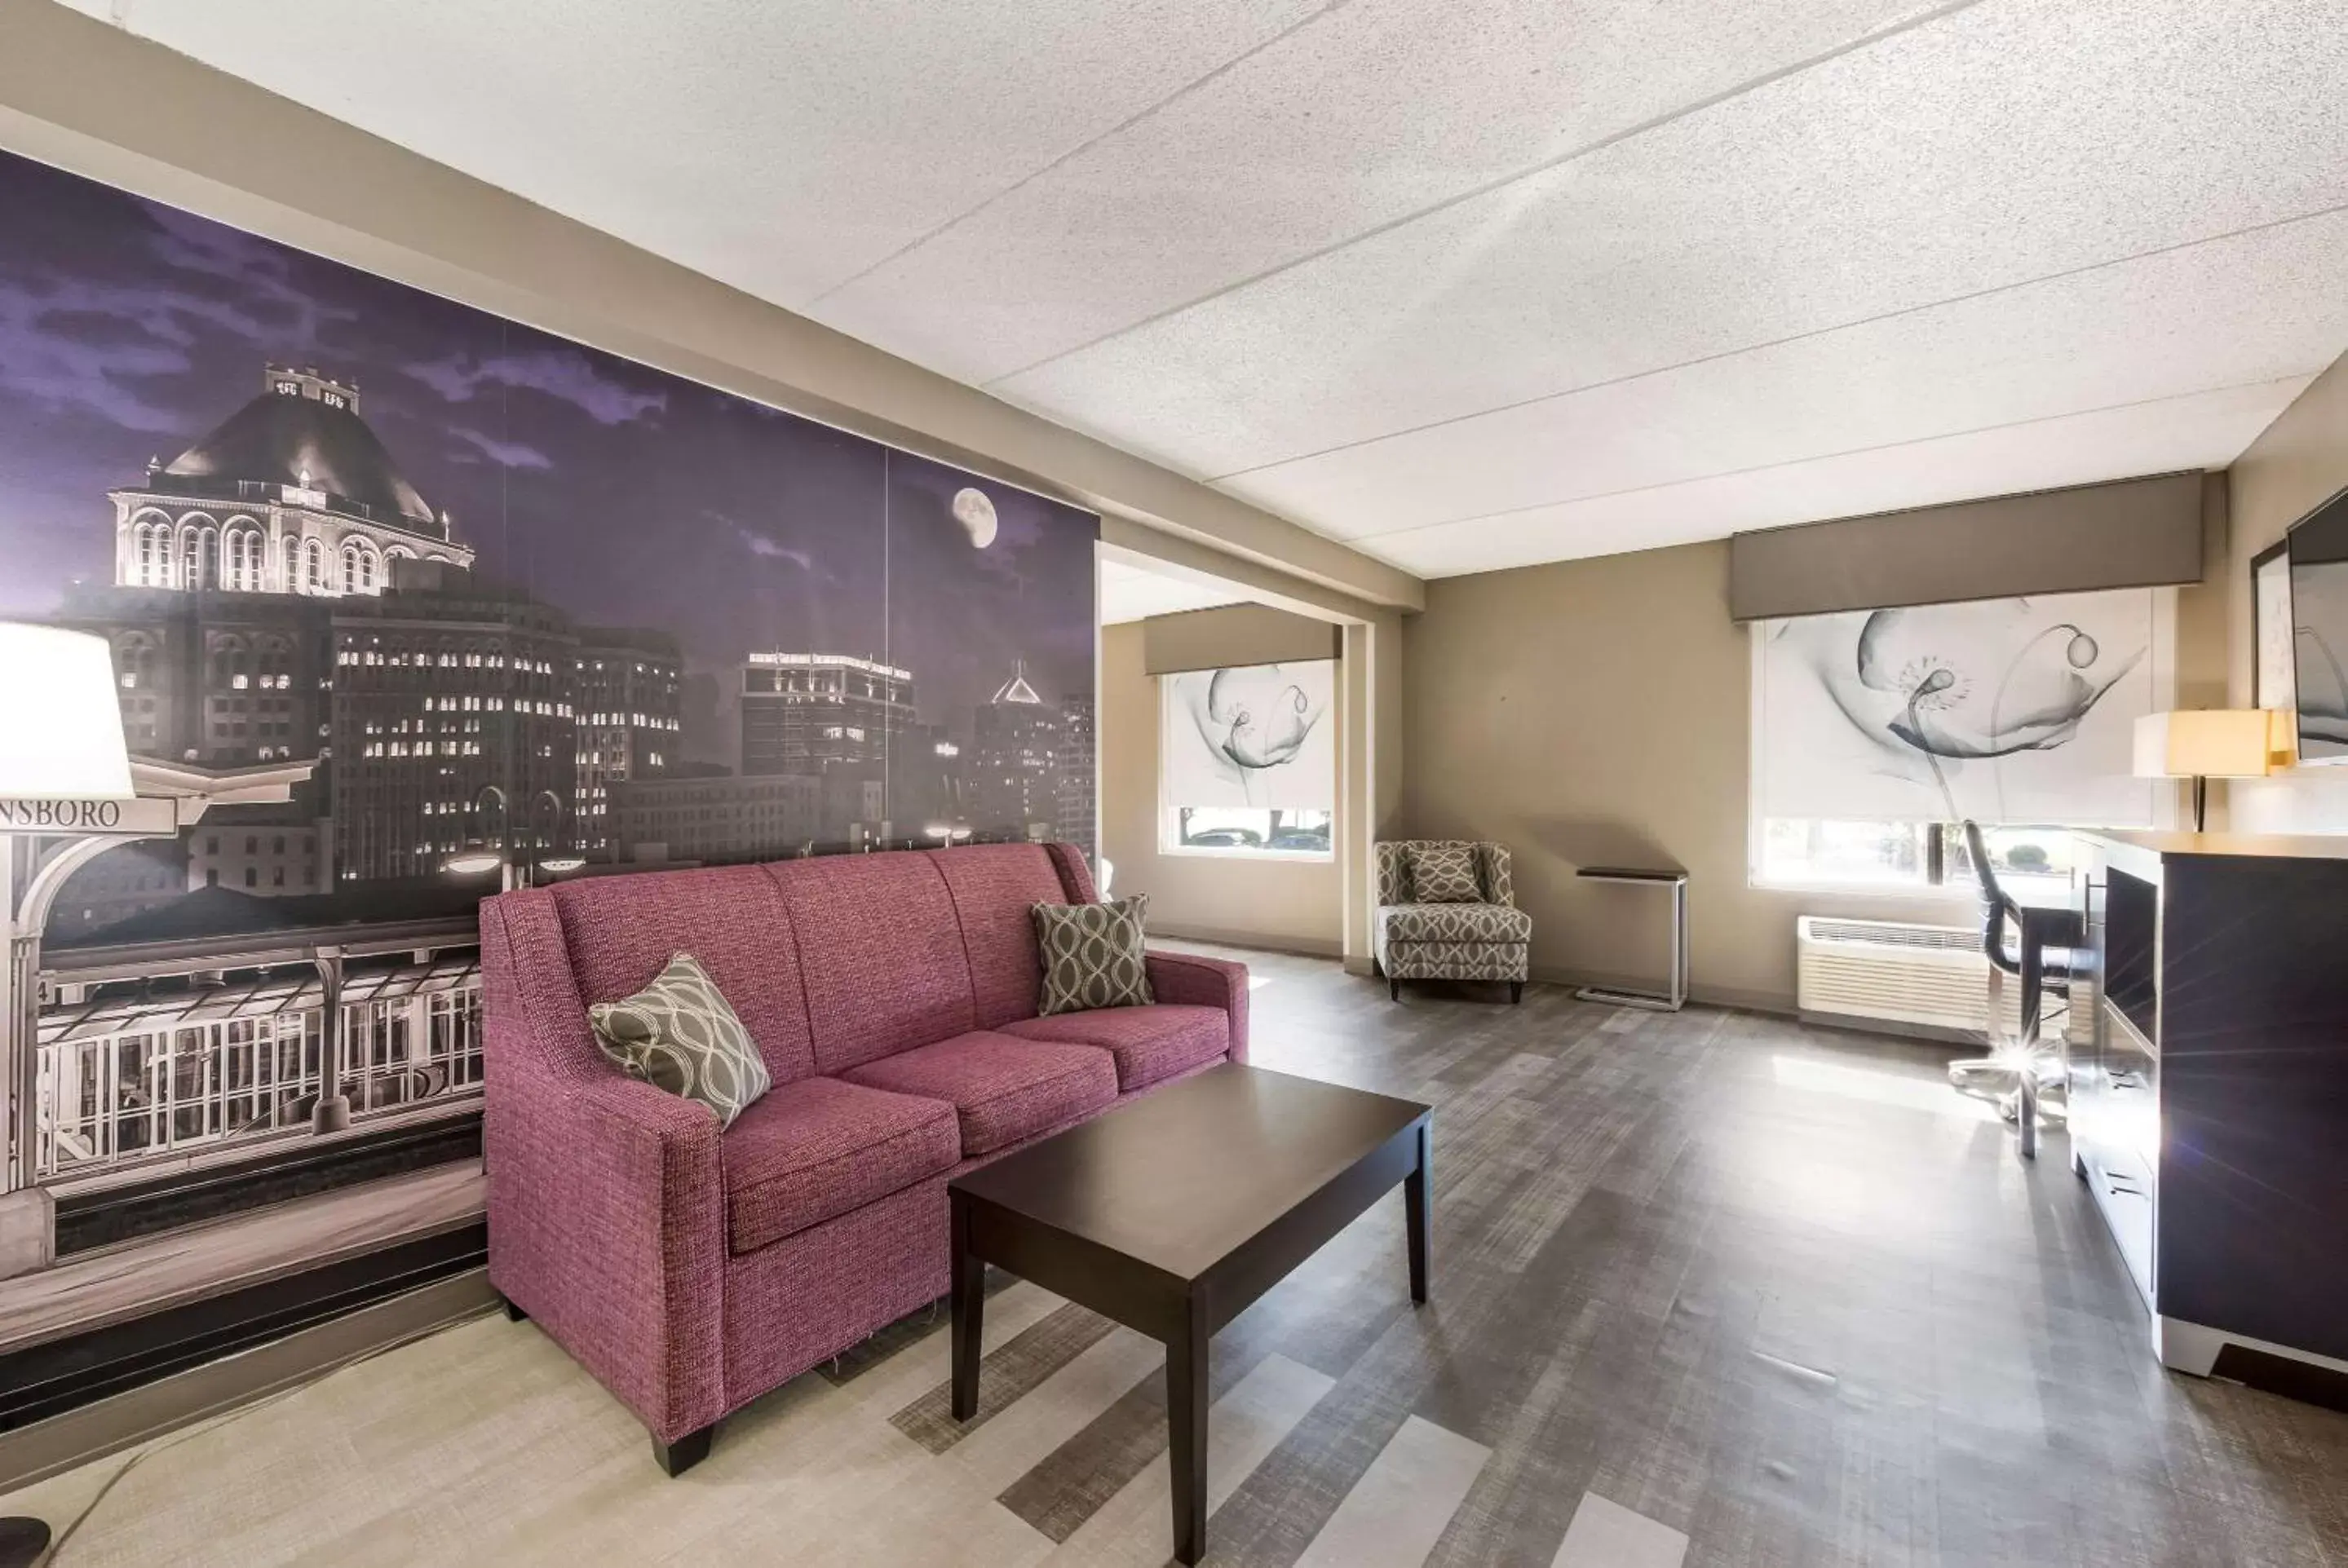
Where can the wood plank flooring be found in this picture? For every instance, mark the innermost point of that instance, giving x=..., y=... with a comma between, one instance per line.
x=1709, y=1288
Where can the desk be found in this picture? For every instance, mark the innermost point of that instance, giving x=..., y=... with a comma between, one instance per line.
x=2042, y=920
x=1674, y=997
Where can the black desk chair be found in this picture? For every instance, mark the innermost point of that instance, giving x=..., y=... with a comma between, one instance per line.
x=2045, y=957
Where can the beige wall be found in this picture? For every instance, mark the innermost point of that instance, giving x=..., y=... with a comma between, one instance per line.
x=1286, y=904
x=2300, y=462
x=1599, y=710
x=1371, y=804
x=1233, y=634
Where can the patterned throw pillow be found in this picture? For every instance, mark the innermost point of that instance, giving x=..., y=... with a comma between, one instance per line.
x=1444, y=873
x=1092, y=955
x=680, y=1034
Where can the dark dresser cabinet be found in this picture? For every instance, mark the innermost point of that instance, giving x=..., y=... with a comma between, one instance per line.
x=2210, y=1105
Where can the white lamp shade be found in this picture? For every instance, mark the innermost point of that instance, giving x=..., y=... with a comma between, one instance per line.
x=60, y=723
x=2213, y=742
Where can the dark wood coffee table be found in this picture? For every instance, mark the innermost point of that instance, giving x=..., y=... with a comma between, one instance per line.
x=1172, y=1214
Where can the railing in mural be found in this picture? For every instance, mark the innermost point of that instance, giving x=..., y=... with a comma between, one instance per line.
x=124, y=1080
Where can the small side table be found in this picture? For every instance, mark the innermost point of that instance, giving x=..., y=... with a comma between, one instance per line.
x=1674, y=996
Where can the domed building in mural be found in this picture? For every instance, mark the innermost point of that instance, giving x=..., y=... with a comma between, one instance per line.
x=294, y=493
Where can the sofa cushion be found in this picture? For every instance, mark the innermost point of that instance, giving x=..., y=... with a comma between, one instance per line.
x=1093, y=955
x=679, y=1034
x=994, y=886
x=1004, y=1088
x=1148, y=1044
x=1455, y=923
x=817, y=1148
x=622, y=931
x=881, y=953
x=1443, y=871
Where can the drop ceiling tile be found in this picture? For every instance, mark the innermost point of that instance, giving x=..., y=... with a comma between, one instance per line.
x=2203, y=430
x=2250, y=309
x=1371, y=112
x=780, y=147
x=2002, y=143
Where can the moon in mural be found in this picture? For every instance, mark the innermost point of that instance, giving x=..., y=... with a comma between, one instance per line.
x=976, y=513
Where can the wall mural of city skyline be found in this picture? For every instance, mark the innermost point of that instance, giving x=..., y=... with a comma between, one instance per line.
x=490, y=607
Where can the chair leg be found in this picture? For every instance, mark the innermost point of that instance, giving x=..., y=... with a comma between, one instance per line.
x=514, y=1313
x=1515, y=992
x=1393, y=989
x=675, y=1459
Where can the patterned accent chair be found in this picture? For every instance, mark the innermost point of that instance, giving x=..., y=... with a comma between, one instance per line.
x=1491, y=940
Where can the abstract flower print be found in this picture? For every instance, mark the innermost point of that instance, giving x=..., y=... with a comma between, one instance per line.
x=1257, y=717
x=1251, y=725
x=2018, y=688
x=1949, y=700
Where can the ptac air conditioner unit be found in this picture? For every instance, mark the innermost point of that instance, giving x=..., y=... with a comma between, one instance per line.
x=1887, y=975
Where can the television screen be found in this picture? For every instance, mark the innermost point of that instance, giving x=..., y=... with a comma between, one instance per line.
x=2319, y=641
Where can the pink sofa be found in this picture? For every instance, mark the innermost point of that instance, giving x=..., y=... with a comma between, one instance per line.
x=893, y=998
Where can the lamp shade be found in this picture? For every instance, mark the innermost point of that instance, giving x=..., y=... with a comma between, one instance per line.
x=60, y=724
x=2210, y=743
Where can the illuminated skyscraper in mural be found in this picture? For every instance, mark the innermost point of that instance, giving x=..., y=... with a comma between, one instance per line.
x=1014, y=764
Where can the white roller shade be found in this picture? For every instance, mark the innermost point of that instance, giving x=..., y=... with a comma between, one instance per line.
x=1261, y=735
x=2009, y=709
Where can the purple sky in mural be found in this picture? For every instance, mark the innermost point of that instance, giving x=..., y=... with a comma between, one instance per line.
x=624, y=495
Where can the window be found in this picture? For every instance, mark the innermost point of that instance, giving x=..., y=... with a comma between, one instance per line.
x=1901, y=856
x=1815, y=850
x=197, y=547
x=151, y=556
x=1240, y=828
x=1874, y=733
x=244, y=559
x=1247, y=760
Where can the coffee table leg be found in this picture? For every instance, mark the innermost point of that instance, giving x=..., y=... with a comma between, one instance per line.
x=969, y=1309
x=1414, y=1202
x=1186, y=1430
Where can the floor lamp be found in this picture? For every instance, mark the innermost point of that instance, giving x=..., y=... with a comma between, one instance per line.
x=2204, y=745
x=60, y=746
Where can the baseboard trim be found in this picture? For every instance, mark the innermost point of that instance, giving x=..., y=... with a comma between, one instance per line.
x=138, y=1414
x=1770, y=1002
x=1776, y=1004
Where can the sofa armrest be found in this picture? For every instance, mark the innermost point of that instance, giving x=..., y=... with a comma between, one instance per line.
x=1188, y=978
x=606, y=1195
x=1492, y=871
